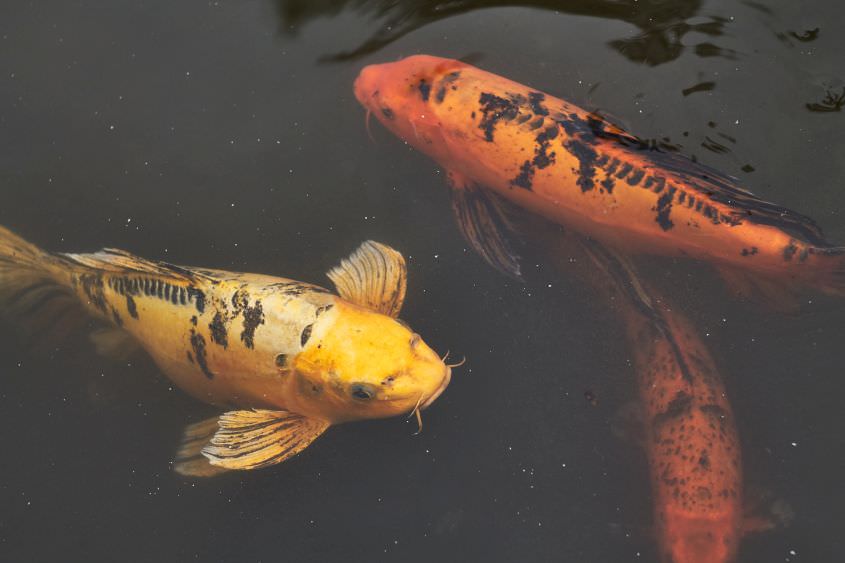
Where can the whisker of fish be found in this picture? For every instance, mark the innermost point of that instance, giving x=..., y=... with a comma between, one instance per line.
x=416, y=412
x=462, y=362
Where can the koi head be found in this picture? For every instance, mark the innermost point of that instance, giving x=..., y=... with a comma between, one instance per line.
x=699, y=540
x=359, y=364
x=401, y=96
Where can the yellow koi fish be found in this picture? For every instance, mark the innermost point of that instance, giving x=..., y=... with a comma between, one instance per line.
x=293, y=357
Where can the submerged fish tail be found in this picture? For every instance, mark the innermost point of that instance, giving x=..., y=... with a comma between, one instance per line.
x=34, y=285
x=829, y=273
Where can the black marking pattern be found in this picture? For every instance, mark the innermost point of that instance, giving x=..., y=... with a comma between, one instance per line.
x=199, y=347
x=445, y=84
x=218, y=331
x=542, y=158
x=494, y=109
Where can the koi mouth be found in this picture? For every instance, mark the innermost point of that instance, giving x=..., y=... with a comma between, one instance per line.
x=431, y=398
x=439, y=391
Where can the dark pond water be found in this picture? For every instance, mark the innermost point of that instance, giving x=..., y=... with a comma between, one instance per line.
x=225, y=134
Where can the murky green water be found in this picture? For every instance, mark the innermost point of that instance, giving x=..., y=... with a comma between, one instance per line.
x=225, y=134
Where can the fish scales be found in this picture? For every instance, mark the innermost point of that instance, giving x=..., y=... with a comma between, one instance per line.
x=601, y=181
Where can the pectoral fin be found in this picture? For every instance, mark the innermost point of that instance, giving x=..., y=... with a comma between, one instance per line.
x=189, y=459
x=374, y=276
x=259, y=438
x=778, y=295
x=484, y=223
x=114, y=343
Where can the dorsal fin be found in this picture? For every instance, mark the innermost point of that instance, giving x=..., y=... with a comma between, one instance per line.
x=374, y=276
x=121, y=261
x=722, y=188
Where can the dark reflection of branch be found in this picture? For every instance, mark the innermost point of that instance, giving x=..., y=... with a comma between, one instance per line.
x=831, y=102
x=662, y=24
x=807, y=36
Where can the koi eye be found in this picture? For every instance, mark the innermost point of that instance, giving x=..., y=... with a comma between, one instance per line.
x=362, y=391
x=281, y=360
x=306, y=334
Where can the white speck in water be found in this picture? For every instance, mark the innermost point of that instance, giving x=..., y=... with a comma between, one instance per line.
x=794, y=444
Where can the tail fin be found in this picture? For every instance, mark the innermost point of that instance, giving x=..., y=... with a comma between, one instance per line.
x=31, y=290
x=830, y=263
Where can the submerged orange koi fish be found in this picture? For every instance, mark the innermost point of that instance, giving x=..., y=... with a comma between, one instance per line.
x=294, y=357
x=691, y=438
x=503, y=141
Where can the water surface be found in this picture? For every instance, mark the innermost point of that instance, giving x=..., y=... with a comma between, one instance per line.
x=225, y=134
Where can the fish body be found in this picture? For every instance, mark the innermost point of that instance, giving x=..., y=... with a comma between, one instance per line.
x=291, y=350
x=692, y=444
x=690, y=434
x=573, y=167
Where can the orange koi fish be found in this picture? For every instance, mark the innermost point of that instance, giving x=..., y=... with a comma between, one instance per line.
x=291, y=357
x=502, y=141
x=691, y=439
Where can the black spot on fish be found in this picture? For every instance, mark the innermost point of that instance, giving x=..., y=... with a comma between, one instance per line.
x=713, y=409
x=306, y=334
x=323, y=309
x=425, y=89
x=253, y=316
x=635, y=178
x=535, y=99
x=526, y=173
x=160, y=289
x=194, y=320
x=626, y=168
x=608, y=184
x=167, y=289
x=93, y=287
x=704, y=460
x=750, y=252
x=523, y=117
x=281, y=360
x=495, y=109
x=536, y=124
x=445, y=83
x=116, y=316
x=198, y=297
x=542, y=158
x=217, y=329
x=677, y=407
x=183, y=296
x=130, y=306
x=198, y=346
x=174, y=295
x=387, y=113
x=586, y=157
x=664, y=207
x=789, y=250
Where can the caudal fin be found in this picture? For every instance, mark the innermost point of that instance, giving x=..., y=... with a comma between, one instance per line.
x=828, y=265
x=31, y=291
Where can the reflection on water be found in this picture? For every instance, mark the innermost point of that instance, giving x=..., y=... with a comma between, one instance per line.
x=662, y=25
x=196, y=133
x=832, y=101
